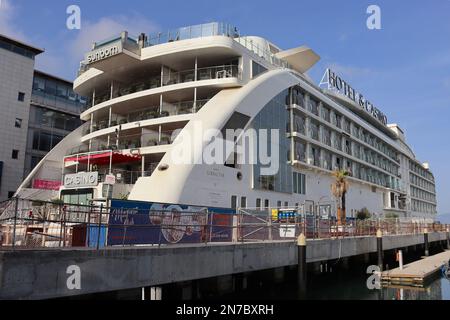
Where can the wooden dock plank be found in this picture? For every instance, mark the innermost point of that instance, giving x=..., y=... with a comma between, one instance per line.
x=416, y=272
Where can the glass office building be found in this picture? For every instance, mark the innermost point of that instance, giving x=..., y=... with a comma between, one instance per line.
x=54, y=112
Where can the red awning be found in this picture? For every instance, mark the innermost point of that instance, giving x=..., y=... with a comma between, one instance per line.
x=104, y=158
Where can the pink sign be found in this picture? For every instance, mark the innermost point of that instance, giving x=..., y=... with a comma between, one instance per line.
x=46, y=184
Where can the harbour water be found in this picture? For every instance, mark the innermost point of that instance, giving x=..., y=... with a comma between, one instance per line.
x=344, y=282
x=351, y=285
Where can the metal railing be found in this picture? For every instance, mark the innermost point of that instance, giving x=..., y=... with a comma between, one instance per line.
x=124, y=141
x=127, y=176
x=165, y=110
x=133, y=141
x=192, y=32
x=170, y=78
x=27, y=224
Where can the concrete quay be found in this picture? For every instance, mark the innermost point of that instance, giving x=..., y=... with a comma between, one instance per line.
x=45, y=273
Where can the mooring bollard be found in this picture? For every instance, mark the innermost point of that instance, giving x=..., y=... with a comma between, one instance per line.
x=302, y=272
x=380, y=249
x=400, y=259
x=425, y=240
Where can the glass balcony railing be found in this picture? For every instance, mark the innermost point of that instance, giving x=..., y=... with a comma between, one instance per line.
x=127, y=176
x=171, y=78
x=262, y=52
x=192, y=32
x=122, y=142
x=155, y=112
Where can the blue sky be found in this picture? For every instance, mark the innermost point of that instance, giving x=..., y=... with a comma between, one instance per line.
x=404, y=68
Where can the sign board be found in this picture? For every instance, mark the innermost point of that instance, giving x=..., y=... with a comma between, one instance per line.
x=274, y=214
x=336, y=83
x=104, y=52
x=46, y=184
x=110, y=179
x=287, y=231
x=135, y=222
x=81, y=180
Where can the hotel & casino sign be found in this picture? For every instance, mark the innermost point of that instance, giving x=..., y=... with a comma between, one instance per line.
x=337, y=83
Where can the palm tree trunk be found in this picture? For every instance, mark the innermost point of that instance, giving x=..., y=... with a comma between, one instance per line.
x=343, y=218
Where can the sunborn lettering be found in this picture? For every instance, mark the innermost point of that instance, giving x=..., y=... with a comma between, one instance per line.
x=336, y=82
x=102, y=54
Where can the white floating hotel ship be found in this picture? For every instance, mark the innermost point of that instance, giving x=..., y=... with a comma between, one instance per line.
x=145, y=89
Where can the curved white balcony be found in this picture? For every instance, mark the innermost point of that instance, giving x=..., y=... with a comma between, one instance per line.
x=166, y=113
x=224, y=76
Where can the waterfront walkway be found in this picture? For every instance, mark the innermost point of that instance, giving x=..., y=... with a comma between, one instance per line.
x=418, y=272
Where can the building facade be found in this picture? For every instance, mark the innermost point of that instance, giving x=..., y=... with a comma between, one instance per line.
x=37, y=111
x=148, y=93
x=16, y=81
x=54, y=113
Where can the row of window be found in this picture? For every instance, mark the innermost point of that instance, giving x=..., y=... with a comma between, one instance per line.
x=44, y=117
x=16, y=49
x=53, y=89
x=414, y=167
x=305, y=101
x=259, y=204
x=422, y=183
x=45, y=141
x=327, y=160
x=335, y=140
x=418, y=193
x=420, y=206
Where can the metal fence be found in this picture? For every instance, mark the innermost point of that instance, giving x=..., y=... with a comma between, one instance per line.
x=28, y=224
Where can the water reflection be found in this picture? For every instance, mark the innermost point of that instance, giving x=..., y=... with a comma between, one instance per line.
x=349, y=285
x=438, y=289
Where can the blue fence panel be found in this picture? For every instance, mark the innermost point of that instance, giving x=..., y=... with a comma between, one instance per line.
x=93, y=236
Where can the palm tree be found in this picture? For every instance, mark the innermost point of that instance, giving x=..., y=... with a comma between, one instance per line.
x=339, y=189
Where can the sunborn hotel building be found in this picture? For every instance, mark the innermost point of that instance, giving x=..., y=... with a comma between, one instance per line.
x=147, y=92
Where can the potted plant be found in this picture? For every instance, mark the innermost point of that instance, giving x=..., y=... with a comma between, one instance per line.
x=165, y=140
x=154, y=114
x=363, y=214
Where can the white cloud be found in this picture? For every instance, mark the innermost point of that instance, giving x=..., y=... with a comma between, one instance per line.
x=8, y=13
x=64, y=60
